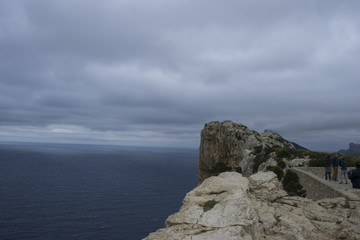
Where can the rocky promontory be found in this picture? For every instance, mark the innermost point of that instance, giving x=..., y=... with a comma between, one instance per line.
x=247, y=191
x=234, y=147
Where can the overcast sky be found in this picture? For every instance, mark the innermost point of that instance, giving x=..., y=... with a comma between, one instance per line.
x=153, y=72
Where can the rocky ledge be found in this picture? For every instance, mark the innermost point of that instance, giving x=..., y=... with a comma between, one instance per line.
x=230, y=206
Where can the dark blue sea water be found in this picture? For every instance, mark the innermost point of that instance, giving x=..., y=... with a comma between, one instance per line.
x=53, y=191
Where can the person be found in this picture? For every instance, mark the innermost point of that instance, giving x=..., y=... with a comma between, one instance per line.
x=354, y=176
x=327, y=166
x=343, y=169
x=335, y=164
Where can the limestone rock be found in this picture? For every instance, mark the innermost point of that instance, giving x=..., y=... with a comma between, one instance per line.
x=257, y=208
x=299, y=162
x=228, y=146
x=270, y=162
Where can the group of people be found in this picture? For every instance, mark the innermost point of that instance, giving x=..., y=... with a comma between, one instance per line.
x=334, y=164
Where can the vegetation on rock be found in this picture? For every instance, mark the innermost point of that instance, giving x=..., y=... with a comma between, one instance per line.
x=277, y=170
x=347, y=204
x=283, y=153
x=209, y=205
x=316, y=158
x=277, y=218
x=239, y=169
x=220, y=167
x=281, y=164
x=291, y=184
x=262, y=154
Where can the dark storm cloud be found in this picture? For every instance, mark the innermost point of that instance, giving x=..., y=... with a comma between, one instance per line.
x=153, y=72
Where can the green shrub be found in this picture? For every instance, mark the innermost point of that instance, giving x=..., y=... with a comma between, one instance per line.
x=239, y=169
x=221, y=167
x=316, y=163
x=317, y=159
x=268, y=150
x=291, y=184
x=350, y=159
x=315, y=155
x=347, y=204
x=298, y=153
x=281, y=139
x=259, y=159
x=281, y=164
x=209, y=205
x=238, y=136
x=257, y=149
x=277, y=170
x=283, y=153
x=261, y=156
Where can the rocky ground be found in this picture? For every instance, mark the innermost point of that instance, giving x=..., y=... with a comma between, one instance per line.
x=230, y=206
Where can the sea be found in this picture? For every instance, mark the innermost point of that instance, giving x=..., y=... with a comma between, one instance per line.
x=84, y=192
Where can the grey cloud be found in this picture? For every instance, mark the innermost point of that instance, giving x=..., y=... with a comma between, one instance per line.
x=160, y=69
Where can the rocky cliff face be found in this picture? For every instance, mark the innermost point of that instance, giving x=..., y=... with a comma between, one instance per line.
x=230, y=206
x=233, y=203
x=354, y=149
x=228, y=146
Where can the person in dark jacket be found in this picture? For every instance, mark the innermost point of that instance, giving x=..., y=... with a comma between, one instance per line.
x=354, y=176
x=327, y=165
x=343, y=169
x=335, y=165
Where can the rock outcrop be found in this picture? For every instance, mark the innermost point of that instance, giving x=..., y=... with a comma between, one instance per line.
x=231, y=202
x=354, y=149
x=231, y=206
x=228, y=146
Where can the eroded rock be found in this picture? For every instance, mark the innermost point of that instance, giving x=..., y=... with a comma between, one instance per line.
x=229, y=146
x=257, y=208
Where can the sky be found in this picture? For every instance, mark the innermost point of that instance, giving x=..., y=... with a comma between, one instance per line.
x=153, y=72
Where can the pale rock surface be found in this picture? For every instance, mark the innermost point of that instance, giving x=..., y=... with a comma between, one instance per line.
x=299, y=162
x=268, y=163
x=257, y=208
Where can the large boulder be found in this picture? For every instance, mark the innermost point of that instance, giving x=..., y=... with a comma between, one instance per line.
x=230, y=206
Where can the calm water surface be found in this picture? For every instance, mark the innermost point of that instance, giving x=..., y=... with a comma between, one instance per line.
x=50, y=191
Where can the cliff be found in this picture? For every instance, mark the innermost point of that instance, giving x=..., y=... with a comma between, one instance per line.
x=228, y=146
x=237, y=199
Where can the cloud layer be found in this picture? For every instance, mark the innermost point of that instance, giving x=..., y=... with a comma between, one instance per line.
x=153, y=72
